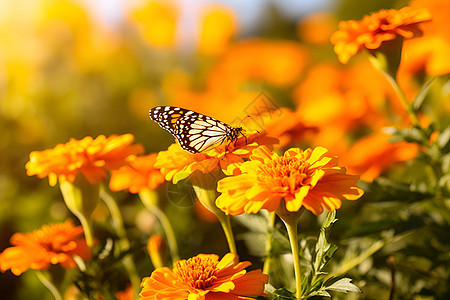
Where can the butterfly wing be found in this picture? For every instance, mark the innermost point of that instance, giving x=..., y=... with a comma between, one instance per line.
x=167, y=116
x=195, y=132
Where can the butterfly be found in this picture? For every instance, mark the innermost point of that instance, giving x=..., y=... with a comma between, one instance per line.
x=194, y=132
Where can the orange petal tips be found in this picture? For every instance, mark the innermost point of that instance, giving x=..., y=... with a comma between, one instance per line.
x=374, y=29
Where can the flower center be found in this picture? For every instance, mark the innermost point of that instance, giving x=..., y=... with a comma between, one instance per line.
x=292, y=169
x=197, y=272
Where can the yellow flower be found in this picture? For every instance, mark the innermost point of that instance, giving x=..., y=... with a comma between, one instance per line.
x=140, y=173
x=217, y=28
x=52, y=244
x=177, y=164
x=307, y=179
x=205, y=277
x=373, y=30
x=91, y=157
x=156, y=21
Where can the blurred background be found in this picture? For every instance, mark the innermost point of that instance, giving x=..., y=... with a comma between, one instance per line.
x=70, y=69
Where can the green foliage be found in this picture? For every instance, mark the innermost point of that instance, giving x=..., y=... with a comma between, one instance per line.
x=316, y=281
x=97, y=276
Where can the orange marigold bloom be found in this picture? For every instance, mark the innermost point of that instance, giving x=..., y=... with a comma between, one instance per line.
x=303, y=178
x=140, y=173
x=316, y=28
x=177, y=164
x=288, y=126
x=126, y=294
x=373, y=154
x=51, y=244
x=205, y=277
x=428, y=54
x=379, y=27
x=284, y=61
x=91, y=157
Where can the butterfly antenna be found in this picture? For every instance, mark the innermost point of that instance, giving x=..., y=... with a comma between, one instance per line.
x=247, y=116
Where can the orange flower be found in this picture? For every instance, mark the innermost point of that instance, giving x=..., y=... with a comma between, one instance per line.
x=205, y=277
x=373, y=154
x=428, y=54
x=347, y=98
x=303, y=178
x=140, y=173
x=284, y=61
x=316, y=28
x=52, y=244
x=126, y=294
x=91, y=157
x=177, y=164
x=286, y=125
x=373, y=30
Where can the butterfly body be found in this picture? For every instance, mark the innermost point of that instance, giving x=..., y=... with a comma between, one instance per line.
x=194, y=132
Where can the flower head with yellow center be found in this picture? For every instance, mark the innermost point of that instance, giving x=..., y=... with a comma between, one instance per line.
x=379, y=27
x=52, y=244
x=90, y=157
x=139, y=173
x=177, y=164
x=205, y=277
x=307, y=179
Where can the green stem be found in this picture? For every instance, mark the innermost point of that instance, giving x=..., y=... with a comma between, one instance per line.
x=406, y=105
x=81, y=199
x=149, y=200
x=226, y=226
x=44, y=279
x=293, y=238
x=290, y=219
x=87, y=229
x=269, y=258
x=118, y=225
x=205, y=187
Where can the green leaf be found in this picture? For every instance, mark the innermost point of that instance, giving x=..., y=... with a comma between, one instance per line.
x=283, y=294
x=322, y=293
x=329, y=254
x=411, y=135
x=443, y=139
x=331, y=218
x=344, y=285
x=323, y=253
x=420, y=97
x=446, y=164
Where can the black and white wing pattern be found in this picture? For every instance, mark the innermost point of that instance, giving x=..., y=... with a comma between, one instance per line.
x=194, y=132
